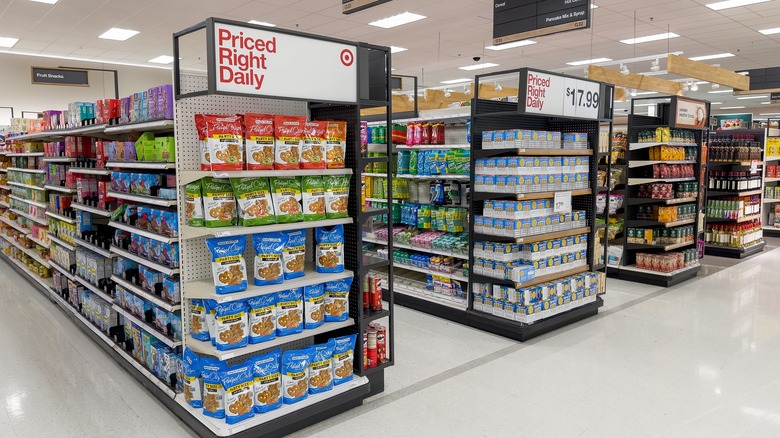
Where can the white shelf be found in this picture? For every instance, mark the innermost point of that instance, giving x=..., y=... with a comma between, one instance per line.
x=19, y=169
x=205, y=289
x=62, y=243
x=59, y=189
x=60, y=217
x=88, y=171
x=5, y=187
x=220, y=428
x=188, y=232
x=93, y=248
x=86, y=130
x=144, y=233
x=146, y=165
x=188, y=176
x=771, y=179
x=638, y=181
x=638, y=146
x=381, y=200
x=155, y=125
x=3, y=170
x=430, y=272
x=45, y=282
x=27, y=201
x=633, y=268
x=640, y=163
x=443, y=176
x=104, y=296
x=431, y=297
x=66, y=306
x=14, y=225
x=770, y=201
x=140, y=260
x=35, y=255
x=26, y=186
x=150, y=200
x=157, y=382
x=58, y=160
x=434, y=147
x=417, y=248
x=93, y=210
x=210, y=350
x=62, y=270
x=30, y=217
x=25, y=154
x=146, y=295
x=5, y=204
x=375, y=175
x=38, y=242
x=148, y=328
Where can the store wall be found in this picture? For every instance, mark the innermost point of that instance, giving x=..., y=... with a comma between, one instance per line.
x=17, y=91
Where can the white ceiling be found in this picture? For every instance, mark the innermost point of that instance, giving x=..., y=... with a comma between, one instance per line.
x=454, y=32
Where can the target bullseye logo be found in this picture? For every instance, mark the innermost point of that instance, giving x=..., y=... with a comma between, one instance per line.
x=347, y=57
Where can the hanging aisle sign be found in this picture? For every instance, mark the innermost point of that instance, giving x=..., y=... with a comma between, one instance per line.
x=60, y=76
x=352, y=6
x=554, y=95
x=261, y=62
x=689, y=113
x=515, y=20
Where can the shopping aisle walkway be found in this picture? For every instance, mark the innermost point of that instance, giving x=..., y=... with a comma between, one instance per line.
x=694, y=360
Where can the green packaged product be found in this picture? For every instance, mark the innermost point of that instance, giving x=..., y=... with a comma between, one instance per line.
x=255, y=206
x=219, y=203
x=337, y=196
x=194, y=205
x=313, y=191
x=287, y=197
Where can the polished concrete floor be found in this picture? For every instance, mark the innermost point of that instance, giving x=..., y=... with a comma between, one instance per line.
x=696, y=360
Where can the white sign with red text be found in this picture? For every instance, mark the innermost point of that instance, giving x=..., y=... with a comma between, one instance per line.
x=561, y=96
x=263, y=62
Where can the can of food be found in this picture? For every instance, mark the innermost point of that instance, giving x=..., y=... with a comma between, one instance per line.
x=371, y=359
x=365, y=348
x=366, y=287
x=375, y=288
x=381, y=344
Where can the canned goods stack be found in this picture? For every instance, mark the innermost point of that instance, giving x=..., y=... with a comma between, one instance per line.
x=374, y=345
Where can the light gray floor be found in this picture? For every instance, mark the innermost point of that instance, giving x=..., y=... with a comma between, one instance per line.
x=699, y=359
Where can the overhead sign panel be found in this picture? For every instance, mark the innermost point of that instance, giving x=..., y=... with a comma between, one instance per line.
x=60, y=76
x=515, y=20
x=554, y=95
x=352, y=6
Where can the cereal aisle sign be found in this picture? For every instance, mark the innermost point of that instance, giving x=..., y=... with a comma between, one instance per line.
x=262, y=62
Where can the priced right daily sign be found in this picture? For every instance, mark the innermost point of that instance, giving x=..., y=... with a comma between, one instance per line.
x=555, y=95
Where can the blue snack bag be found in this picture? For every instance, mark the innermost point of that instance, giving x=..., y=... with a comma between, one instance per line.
x=262, y=318
x=343, y=359
x=192, y=394
x=213, y=391
x=313, y=306
x=295, y=254
x=295, y=374
x=227, y=263
x=337, y=300
x=321, y=369
x=268, y=258
x=268, y=381
x=239, y=391
x=198, y=327
x=289, y=312
x=330, y=249
x=231, y=325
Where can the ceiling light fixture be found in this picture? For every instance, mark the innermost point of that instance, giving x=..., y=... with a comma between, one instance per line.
x=624, y=70
x=655, y=65
x=633, y=92
x=646, y=93
x=261, y=23
x=118, y=34
x=716, y=103
x=771, y=31
x=715, y=56
x=766, y=103
x=592, y=6
x=715, y=86
x=8, y=41
x=511, y=45
x=498, y=87
x=467, y=89
x=447, y=93
x=397, y=20
x=721, y=91
x=48, y=2
x=162, y=59
x=694, y=86
x=395, y=49
x=455, y=81
x=686, y=86
x=478, y=66
x=764, y=96
x=411, y=97
x=649, y=38
x=732, y=4
x=73, y=58
x=588, y=61
x=731, y=107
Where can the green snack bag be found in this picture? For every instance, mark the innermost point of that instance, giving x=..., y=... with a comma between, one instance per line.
x=193, y=205
x=164, y=149
x=219, y=203
x=313, y=188
x=286, y=194
x=337, y=196
x=255, y=206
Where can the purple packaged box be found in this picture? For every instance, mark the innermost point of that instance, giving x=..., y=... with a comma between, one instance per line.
x=165, y=102
x=152, y=103
x=129, y=151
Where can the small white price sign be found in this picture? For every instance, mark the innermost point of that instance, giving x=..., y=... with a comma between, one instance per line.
x=754, y=166
x=582, y=99
x=562, y=202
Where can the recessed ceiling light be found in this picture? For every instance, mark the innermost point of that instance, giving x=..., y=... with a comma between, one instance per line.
x=478, y=66
x=720, y=91
x=647, y=39
x=162, y=59
x=731, y=107
x=592, y=6
x=646, y=93
x=8, y=42
x=394, y=49
x=589, y=61
x=716, y=103
x=262, y=23
x=715, y=56
x=733, y=4
x=48, y=2
x=456, y=81
x=118, y=34
x=753, y=97
x=769, y=114
x=771, y=31
x=512, y=45
x=397, y=20
x=766, y=103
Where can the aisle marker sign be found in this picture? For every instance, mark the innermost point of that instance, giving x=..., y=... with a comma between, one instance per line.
x=274, y=64
x=554, y=95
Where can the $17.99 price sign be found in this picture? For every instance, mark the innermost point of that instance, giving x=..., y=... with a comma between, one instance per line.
x=582, y=99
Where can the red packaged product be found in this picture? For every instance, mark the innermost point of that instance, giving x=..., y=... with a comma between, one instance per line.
x=376, y=296
x=336, y=145
x=289, y=137
x=381, y=344
x=205, y=156
x=225, y=138
x=314, y=145
x=426, y=134
x=259, y=141
x=100, y=154
x=437, y=134
x=410, y=133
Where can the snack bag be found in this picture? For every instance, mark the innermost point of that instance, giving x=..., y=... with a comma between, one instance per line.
x=313, y=302
x=336, y=196
x=193, y=205
x=336, y=145
x=225, y=136
x=295, y=374
x=294, y=254
x=255, y=206
x=343, y=358
x=262, y=318
x=198, y=328
x=330, y=249
x=227, y=263
x=213, y=391
x=239, y=393
x=259, y=141
x=268, y=381
x=321, y=369
x=286, y=193
x=337, y=300
x=211, y=314
x=205, y=156
x=289, y=136
x=231, y=325
x=268, y=259
x=192, y=394
x=313, y=150
x=289, y=312
x=219, y=203
x=313, y=191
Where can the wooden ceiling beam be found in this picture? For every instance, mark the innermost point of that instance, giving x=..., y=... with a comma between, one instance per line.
x=634, y=80
x=706, y=72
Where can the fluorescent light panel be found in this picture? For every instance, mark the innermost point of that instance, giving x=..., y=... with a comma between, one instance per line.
x=592, y=6
x=73, y=58
x=766, y=103
x=479, y=66
x=589, y=61
x=646, y=93
x=397, y=20
x=8, y=41
x=771, y=31
x=715, y=56
x=48, y=2
x=649, y=38
x=456, y=81
x=731, y=107
x=752, y=97
x=721, y=91
x=733, y=4
x=769, y=114
x=162, y=59
x=716, y=103
x=262, y=23
x=118, y=34
x=395, y=49
x=512, y=45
